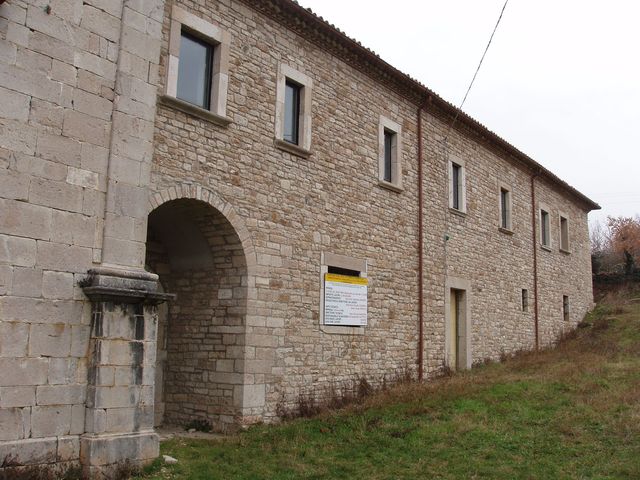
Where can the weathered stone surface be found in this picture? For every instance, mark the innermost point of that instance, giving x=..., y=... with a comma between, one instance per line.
x=13, y=339
x=17, y=397
x=23, y=371
x=50, y=340
x=50, y=421
x=60, y=394
x=27, y=282
x=57, y=285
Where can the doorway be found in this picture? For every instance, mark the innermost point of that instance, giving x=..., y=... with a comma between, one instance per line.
x=457, y=329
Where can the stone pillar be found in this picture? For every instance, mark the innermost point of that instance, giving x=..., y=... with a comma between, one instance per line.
x=122, y=349
x=131, y=149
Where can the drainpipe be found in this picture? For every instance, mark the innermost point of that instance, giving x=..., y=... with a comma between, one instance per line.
x=422, y=108
x=535, y=256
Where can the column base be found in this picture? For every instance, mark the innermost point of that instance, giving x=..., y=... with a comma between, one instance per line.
x=109, y=456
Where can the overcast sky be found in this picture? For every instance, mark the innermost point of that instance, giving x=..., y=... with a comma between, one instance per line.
x=561, y=81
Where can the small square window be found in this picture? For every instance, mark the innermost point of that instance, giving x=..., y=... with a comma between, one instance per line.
x=544, y=228
x=457, y=194
x=291, y=112
x=525, y=300
x=194, y=71
x=564, y=234
x=389, y=154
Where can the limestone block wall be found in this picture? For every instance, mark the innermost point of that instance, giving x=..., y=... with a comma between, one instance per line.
x=563, y=273
x=68, y=70
x=57, y=81
x=499, y=264
x=296, y=208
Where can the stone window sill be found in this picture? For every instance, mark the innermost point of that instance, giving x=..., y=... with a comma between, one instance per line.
x=334, y=330
x=546, y=248
x=194, y=110
x=460, y=213
x=566, y=252
x=506, y=231
x=390, y=186
x=291, y=148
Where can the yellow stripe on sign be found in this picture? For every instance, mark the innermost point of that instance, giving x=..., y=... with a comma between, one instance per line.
x=334, y=277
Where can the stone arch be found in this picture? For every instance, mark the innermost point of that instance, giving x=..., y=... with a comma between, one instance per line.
x=221, y=362
x=197, y=192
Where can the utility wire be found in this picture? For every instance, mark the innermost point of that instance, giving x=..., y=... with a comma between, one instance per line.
x=477, y=69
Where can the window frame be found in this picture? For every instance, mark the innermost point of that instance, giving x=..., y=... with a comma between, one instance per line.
x=505, y=217
x=566, y=308
x=288, y=74
x=461, y=190
x=545, y=227
x=564, y=239
x=387, y=127
x=219, y=40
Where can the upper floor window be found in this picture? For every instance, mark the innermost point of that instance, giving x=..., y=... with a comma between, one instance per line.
x=389, y=154
x=564, y=233
x=198, y=66
x=389, y=140
x=545, y=237
x=457, y=193
x=194, y=71
x=293, y=111
x=505, y=209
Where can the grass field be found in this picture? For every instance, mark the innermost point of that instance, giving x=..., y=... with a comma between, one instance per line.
x=570, y=412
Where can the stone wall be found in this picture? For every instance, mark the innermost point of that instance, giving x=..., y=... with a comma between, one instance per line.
x=296, y=208
x=57, y=81
x=68, y=70
x=499, y=264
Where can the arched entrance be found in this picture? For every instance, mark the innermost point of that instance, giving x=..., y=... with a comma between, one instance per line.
x=199, y=256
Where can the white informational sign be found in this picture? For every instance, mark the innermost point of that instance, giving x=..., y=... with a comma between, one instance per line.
x=345, y=300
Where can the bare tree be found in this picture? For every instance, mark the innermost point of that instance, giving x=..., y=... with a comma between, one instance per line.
x=625, y=240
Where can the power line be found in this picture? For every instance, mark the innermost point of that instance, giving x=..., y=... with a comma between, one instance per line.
x=478, y=68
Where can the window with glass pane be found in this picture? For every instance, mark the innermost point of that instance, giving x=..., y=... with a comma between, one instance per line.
x=456, y=171
x=504, y=208
x=291, y=112
x=194, y=71
x=388, y=154
x=544, y=227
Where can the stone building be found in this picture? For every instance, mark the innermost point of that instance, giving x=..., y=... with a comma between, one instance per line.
x=211, y=208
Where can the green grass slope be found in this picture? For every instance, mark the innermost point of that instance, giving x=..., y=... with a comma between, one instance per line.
x=572, y=412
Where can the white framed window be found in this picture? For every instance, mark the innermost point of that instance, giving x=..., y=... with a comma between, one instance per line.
x=504, y=208
x=293, y=111
x=545, y=228
x=198, y=66
x=341, y=265
x=389, y=154
x=563, y=228
x=457, y=185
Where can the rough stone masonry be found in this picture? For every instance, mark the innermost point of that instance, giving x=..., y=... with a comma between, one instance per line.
x=163, y=261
